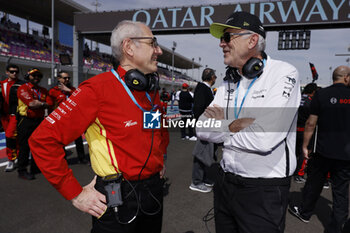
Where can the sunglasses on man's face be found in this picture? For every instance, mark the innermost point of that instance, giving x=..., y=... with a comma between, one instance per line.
x=153, y=43
x=37, y=75
x=227, y=36
x=13, y=71
x=66, y=78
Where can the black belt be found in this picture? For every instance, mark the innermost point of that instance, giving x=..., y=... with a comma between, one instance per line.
x=237, y=179
x=32, y=118
x=150, y=180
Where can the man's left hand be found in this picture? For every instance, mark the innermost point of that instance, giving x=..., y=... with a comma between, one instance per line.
x=90, y=200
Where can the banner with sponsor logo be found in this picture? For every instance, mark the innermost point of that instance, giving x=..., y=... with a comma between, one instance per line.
x=274, y=15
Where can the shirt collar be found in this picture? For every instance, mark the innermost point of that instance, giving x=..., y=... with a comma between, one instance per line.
x=207, y=84
x=339, y=84
x=121, y=72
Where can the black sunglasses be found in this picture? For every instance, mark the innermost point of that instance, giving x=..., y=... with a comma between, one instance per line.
x=13, y=71
x=66, y=77
x=153, y=43
x=37, y=75
x=228, y=35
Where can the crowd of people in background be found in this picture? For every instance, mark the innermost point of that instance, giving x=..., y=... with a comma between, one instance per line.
x=24, y=105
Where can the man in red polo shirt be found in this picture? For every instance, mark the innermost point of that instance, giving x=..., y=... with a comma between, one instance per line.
x=33, y=100
x=60, y=93
x=120, y=112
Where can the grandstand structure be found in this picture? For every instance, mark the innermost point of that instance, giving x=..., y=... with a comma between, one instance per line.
x=29, y=49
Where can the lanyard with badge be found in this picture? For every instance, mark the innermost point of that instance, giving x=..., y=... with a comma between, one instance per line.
x=245, y=95
x=38, y=93
x=127, y=89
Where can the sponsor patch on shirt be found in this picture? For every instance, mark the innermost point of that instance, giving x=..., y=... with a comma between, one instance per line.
x=66, y=105
x=288, y=87
x=56, y=115
x=130, y=123
x=61, y=110
x=344, y=101
x=69, y=100
x=259, y=93
x=50, y=120
x=333, y=100
x=76, y=92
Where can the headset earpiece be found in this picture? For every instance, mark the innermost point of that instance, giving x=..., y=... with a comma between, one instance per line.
x=136, y=80
x=153, y=81
x=232, y=75
x=253, y=68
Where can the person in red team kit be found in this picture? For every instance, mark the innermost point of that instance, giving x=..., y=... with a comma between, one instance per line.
x=8, y=121
x=33, y=100
x=59, y=94
x=127, y=195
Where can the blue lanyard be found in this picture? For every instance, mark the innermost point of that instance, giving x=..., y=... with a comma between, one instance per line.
x=36, y=92
x=131, y=95
x=246, y=93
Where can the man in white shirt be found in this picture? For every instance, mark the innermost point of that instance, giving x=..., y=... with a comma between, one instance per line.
x=257, y=105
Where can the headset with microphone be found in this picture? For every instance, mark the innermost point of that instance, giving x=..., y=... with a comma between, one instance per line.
x=252, y=69
x=136, y=80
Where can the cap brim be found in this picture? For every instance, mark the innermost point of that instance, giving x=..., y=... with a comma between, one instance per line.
x=36, y=73
x=217, y=29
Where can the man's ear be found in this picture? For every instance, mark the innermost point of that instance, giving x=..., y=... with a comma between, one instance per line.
x=253, y=41
x=347, y=80
x=128, y=47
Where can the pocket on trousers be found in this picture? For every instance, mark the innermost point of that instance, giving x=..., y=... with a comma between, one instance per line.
x=151, y=197
x=275, y=199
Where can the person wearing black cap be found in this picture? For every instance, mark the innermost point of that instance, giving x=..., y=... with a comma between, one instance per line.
x=257, y=105
x=33, y=100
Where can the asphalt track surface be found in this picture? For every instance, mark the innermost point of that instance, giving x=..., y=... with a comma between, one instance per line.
x=36, y=207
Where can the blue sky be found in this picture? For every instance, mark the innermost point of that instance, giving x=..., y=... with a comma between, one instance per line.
x=324, y=43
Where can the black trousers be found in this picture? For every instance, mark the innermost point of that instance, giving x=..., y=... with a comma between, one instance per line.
x=299, y=151
x=25, y=128
x=186, y=116
x=79, y=146
x=319, y=166
x=142, y=198
x=244, y=207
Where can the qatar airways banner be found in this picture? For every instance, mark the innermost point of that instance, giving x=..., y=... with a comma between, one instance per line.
x=327, y=13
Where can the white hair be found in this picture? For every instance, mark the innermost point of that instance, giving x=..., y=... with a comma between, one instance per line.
x=261, y=45
x=124, y=29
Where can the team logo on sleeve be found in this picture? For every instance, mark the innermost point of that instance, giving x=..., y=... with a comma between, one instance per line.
x=151, y=120
x=76, y=92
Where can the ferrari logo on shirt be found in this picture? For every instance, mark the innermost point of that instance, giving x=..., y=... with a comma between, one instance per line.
x=151, y=120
